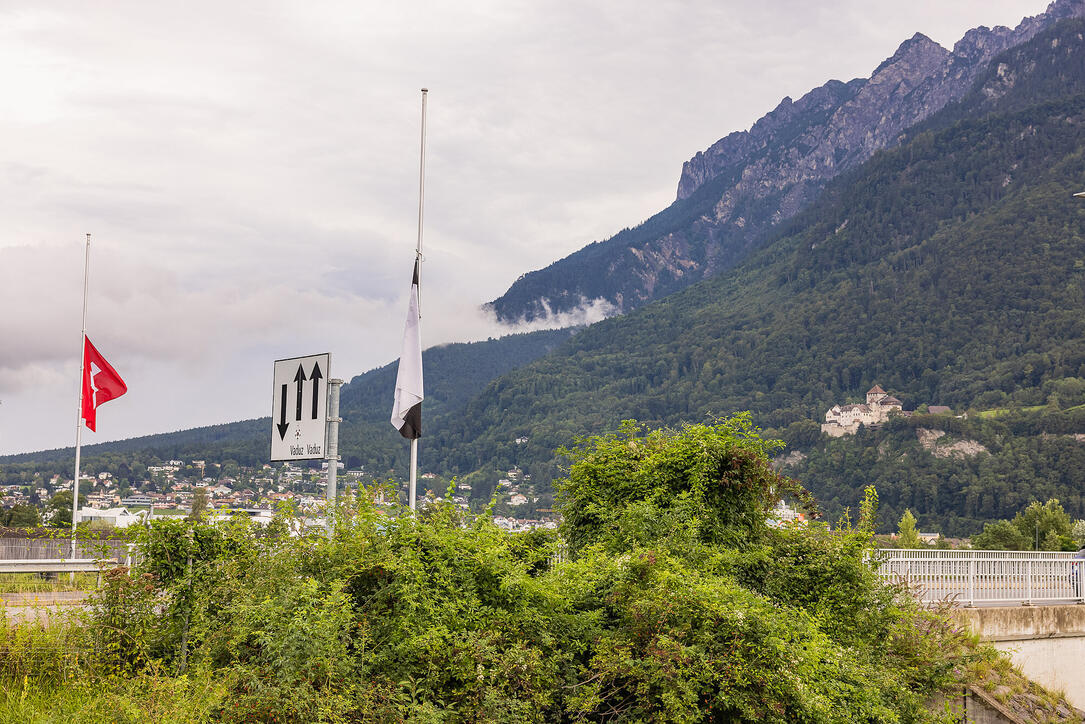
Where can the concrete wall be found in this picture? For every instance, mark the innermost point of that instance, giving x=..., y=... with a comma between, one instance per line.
x=1046, y=642
x=1057, y=663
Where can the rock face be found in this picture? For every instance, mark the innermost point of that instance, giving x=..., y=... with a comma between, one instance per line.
x=737, y=190
x=928, y=440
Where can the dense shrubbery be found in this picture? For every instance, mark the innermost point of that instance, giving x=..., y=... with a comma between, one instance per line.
x=674, y=601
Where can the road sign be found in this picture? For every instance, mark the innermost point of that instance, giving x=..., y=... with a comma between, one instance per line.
x=299, y=410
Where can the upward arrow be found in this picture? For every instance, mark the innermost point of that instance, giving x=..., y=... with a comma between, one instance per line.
x=300, y=379
x=283, y=424
x=316, y=377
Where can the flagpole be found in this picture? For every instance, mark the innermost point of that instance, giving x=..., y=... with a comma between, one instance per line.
x=79, y=410
x=413, y=493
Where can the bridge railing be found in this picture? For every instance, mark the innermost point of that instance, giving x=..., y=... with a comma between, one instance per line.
x=986, y=577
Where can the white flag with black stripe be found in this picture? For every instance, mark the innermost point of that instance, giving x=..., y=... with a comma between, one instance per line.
x=407, y=408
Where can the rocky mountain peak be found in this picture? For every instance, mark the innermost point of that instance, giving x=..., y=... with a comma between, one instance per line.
x=734, y=192
x=919, y=46
x=917, y=80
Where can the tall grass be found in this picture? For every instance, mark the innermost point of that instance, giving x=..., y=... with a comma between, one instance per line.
x=145, y=698
x=48, y=674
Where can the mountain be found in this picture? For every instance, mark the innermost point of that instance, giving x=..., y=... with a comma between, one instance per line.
x=737, y=191
x=949, y=269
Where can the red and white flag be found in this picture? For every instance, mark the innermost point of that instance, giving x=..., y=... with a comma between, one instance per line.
x=101, y=383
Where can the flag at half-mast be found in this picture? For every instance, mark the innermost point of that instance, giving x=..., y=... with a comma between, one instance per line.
x=407, y=408
x=101, y=383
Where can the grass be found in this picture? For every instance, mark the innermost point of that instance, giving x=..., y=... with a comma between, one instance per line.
x=48, y=674
x=1000, y=411
x=145, y=698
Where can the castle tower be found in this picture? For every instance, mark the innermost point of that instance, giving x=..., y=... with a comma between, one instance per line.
x=874, y=394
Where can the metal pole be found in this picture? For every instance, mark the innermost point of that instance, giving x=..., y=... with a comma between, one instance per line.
x=412, y=494
x=422, y=175
x=333, y=441
x=971, y=580
x=1028, y=593
x=79, y=410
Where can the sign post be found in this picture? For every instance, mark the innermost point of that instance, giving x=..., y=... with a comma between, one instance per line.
x=333, y=441
x=299, y=414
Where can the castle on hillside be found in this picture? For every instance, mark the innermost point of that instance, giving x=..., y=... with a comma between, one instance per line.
x=843, y=420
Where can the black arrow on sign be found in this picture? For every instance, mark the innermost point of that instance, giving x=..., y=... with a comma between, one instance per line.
x=300, y=379
x=283, y=424
x=316, y=377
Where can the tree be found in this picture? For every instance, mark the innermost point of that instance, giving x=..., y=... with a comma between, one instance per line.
x=868, y=510
x=1047, y=525
x=1039, y=526
x=1001, y=536
x=58, y=511
x=908, y=537
x=21, y=516
x=1078, y=531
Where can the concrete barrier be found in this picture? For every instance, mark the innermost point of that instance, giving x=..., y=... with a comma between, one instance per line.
x=1046, y=642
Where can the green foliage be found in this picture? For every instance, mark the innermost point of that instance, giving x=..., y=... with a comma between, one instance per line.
x=703, y=483
x=124, y=620
x=676, y=603
x=1078, y=533
x=868, y=510
x=907, y=536
x=1040, y=526
x=22, y=516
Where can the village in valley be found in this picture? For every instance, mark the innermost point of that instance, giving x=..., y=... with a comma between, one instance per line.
x=175, y=487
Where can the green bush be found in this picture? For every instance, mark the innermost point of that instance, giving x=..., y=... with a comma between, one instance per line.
x=674, y=602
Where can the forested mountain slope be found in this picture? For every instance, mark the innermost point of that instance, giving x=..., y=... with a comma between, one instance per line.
x=950, y=270
x=953, y=473
x=738, y=190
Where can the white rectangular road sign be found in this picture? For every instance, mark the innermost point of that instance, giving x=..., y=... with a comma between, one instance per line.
x=299, y=410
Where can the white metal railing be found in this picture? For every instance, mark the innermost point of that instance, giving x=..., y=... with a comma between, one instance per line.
x=971, y=577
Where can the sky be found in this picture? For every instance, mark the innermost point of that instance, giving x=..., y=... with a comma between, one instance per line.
x=248, y=171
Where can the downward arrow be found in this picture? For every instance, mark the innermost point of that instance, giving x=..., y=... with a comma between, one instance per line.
x=316, y=377
x=300, y=379
x=283, y=424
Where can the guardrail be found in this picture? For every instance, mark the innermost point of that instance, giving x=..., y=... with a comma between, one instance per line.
x=986, y=577
x=62, y=565
x=71, y=565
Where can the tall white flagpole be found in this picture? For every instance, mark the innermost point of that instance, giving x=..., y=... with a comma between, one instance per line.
x=413, y=493
x=79, y=410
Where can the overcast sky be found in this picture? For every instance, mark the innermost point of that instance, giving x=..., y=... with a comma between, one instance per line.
x=249, y=170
